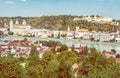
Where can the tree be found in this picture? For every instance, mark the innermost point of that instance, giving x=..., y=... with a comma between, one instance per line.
x=47, y=57
x=92, y=16
x=33, y=50
x=66, y=60
x=95, y=65
x=32, y=72
x=85, y=50
x=63, y=35
x=10, y=33
x=10, y=68
x=52, y=69
x=1, y=33
x=63, y=48
x=73, y=48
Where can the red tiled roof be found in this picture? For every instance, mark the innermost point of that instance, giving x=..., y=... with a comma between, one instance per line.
x=83, y=30
x=19, y=43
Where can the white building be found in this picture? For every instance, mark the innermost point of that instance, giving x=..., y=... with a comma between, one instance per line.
x=81, y=32
x=102, y=36
x=86, y=36
x=19, y=28
x=117, y=38
x=94, y=19
x=40, y=32
x=24, y=25
x=56, y=33
x=70, y=34
x=104, y=20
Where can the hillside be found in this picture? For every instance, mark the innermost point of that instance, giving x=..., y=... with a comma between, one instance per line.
x=61, y=22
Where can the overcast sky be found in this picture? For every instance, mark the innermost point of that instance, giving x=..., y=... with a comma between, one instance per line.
x=106, y=8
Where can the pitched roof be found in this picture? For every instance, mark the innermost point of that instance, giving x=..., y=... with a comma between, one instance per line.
x=83, y=30
x=19, y=43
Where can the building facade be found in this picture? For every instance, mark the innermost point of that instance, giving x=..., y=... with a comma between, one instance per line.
x=18, y=28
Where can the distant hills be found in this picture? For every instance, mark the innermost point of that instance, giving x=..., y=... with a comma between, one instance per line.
x=61, y=22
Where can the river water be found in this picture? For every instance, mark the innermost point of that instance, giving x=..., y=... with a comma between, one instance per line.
x=100, y=46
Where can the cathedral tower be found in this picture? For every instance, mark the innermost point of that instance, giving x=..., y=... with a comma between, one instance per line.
x=24, y=22
x=11, y=23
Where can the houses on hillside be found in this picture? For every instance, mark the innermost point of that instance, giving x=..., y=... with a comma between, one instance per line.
x=98, y=19
x=26, y=30
x=19, y=48
x=4, y=29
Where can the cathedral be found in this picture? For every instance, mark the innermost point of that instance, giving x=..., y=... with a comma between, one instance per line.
x=24, y=25
x=18, y=28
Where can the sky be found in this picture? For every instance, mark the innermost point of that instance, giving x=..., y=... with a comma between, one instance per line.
x=105, y=8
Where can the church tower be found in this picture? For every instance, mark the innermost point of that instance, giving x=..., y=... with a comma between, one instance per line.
x=68, y=28
x=77, y=28
x=24, y=22
x=11, y=23
x=16, y=21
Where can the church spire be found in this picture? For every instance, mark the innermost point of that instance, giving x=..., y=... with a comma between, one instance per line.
x=11, y=23
x=24, y=22
x=68, y=29
x=16, y=21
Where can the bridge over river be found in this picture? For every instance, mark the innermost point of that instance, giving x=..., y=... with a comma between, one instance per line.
x=100, y=46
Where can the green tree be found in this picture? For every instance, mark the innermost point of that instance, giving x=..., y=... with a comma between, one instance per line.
x=33, y=50
x=95, y=65
x=52, y=69
x=63, y=48
x=66, y=60
x=10, y=68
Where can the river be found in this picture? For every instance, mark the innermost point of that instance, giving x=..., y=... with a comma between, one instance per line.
x=100, y=46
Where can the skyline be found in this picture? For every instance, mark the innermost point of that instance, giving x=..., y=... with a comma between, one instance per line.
x=105, y=8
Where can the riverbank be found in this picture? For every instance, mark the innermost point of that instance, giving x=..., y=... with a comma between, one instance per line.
x=100, y=46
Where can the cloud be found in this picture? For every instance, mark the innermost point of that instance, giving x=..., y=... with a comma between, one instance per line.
x=23, y=0
x=9, y=2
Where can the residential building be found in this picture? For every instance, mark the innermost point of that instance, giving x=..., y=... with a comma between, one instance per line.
x=4, y=29
x=117, y=38
x=95, y=19
x=79, y=33
x=102, y=36
x=70, y=34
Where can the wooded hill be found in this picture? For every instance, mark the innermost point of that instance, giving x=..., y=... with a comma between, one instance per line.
x=61, y=22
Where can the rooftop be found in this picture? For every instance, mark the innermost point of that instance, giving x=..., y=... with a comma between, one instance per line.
x=83, y=30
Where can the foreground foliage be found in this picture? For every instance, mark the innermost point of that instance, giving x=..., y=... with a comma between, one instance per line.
x=91, y=65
